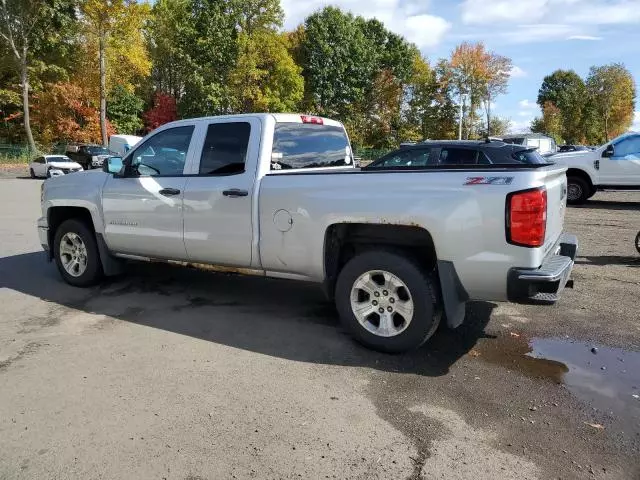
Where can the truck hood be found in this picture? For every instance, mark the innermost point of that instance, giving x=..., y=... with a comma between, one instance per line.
x=64, y=165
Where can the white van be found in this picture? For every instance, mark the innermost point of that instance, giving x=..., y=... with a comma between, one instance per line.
x=546, y=145
x=121, y=144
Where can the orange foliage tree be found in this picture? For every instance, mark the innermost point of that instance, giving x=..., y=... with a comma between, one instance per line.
x=63, y=112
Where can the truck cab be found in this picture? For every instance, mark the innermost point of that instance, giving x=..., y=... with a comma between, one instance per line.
x=613, y=166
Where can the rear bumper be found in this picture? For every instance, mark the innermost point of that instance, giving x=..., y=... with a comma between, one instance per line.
x=544, y=285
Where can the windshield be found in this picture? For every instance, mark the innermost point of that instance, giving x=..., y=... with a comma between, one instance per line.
x=530, y=156
x=98, y=151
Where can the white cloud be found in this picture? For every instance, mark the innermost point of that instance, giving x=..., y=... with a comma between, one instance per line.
x=520, y=126
x=407, y=18
x=580, y=18
x=517, y=72
x=490, y=11
x=584, y=37
x=526, y=104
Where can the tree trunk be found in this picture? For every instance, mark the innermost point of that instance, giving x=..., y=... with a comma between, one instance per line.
x=606, y=127
x=103, y=91
x=488, y=115
x=24, y=79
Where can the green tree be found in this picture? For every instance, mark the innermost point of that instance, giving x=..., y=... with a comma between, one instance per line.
x=115, y=28
x=566, y=90
x=339, y=62
x=550, y=123
x=165, y=33
x=28, y=28
x=497, y=80
x=124, y=110
x=612, y=92
x=265, y=77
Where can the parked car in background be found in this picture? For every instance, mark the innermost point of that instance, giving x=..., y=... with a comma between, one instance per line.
x=89, y=156
x=121, y=144
x=53, y=166
x=573, y=148
x=278, y=195
x=546, y=145
x=458, y=152
x=613, y=166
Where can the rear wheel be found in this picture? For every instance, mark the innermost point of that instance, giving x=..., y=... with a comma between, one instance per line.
x=638, y=242
x=76, y=254
x=386, y=301
x=32, y=174
x=578, y=190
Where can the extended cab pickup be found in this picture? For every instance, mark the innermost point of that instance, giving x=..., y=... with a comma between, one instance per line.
x=613, y=166
x=278, y=195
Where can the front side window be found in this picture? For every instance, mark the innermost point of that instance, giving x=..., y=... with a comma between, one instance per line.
x=163, y=154
x=630, y=146
x=305, y=145
x=225, y=148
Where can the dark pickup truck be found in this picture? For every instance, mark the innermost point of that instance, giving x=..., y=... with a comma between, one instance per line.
x=89, y=156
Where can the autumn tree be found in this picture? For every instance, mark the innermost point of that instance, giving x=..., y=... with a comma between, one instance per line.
x=115, y=27
x=612, y=92
x=469, y=75
x=551, y=122
x=27, y=27
x=498, y=70
x=164, y=110
x=65, y=112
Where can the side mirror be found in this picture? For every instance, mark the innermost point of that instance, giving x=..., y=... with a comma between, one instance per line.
x=609, y=151
x=112, y=165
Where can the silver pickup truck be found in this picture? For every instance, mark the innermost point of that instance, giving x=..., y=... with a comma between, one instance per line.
x=279, y=196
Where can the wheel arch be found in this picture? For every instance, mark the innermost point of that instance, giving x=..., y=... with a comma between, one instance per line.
x=345, y=240
x=56, y=215
x=583, y=174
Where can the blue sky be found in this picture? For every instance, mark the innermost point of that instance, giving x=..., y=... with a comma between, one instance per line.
x=538, y=35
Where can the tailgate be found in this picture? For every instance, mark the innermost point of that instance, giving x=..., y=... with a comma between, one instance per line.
x=556, y=185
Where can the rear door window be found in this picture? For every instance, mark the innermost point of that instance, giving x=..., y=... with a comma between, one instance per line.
x=458, y=156
x=306, y=145
x=418, y=157
x=225, y=148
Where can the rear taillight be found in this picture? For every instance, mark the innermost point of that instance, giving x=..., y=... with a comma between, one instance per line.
x=527, y=218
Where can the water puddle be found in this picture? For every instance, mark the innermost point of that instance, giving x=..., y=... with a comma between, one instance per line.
x=606, y=378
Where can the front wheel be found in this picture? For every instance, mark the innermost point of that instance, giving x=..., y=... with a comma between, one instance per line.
x=638, y=242
x=387, y=302
x=76, y=254
x=578, y=191
x=32, y=174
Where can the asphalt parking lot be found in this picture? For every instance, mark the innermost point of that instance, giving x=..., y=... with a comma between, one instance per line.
x=183, y=374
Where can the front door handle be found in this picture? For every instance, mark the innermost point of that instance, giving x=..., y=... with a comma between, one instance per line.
x=235, y=192
x=168, y=192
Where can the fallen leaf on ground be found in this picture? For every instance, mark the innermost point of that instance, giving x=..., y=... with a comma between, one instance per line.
x=597, y=426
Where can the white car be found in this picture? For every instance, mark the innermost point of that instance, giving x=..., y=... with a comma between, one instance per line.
x=53, y=166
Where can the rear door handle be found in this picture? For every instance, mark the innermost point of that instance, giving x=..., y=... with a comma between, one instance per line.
x=168, y=192
x=235, y=192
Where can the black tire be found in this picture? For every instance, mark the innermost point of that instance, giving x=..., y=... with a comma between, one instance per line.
x=421, y=289
x=578, y=190
x=93, y=272
x=48, y=173
x=32, y=174
x=638, y=242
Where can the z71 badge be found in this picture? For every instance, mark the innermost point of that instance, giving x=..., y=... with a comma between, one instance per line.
x=489, y=181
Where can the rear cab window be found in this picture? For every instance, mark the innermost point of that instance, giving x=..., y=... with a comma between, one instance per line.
x=529, y=156
x=316, y=143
